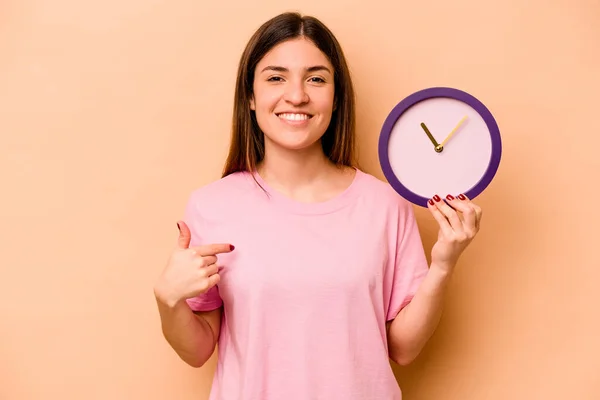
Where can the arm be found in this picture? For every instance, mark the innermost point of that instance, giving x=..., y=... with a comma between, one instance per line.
x=190, y=272
x=413, y=326
x=193, y=336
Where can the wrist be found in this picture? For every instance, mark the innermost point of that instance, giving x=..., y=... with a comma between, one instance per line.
x=165, y=299
x=445, y=267
x=440, y=273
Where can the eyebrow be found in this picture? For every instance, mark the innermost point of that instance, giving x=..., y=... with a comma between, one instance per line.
x=314, y=68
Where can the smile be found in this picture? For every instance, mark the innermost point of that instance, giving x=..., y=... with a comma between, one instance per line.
x=294, y=116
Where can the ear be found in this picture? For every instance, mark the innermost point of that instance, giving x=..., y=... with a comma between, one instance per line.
x=252, y=105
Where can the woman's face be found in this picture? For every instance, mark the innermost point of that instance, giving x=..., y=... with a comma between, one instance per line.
x=293, y=95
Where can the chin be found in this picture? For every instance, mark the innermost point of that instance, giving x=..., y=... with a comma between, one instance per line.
x=300, y=142
x=294, y=135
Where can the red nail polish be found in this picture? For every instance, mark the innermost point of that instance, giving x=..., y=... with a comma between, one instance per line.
x=461, y=196
x=437, y=198
x=232, y=247
x=450, y=197
x=430, y=201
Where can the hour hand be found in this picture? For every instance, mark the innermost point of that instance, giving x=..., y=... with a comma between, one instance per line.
x=430, y=136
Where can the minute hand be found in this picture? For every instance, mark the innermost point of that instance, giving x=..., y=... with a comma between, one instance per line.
x=454, y=130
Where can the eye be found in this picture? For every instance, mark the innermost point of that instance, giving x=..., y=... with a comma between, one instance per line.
x=317, y=79
x=275, y=79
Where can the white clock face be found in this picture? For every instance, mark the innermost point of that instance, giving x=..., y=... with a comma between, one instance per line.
x=466, y=153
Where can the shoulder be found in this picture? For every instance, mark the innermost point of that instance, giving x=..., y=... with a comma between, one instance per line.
x=221, y=194
x=381, y=193
x=387, y=209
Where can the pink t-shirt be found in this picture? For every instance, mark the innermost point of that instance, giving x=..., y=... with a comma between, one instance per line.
x=308, y=289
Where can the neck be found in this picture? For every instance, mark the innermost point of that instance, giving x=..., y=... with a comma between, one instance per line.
x=294, y=168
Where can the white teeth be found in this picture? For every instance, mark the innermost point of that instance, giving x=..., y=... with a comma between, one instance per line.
x=294, y=117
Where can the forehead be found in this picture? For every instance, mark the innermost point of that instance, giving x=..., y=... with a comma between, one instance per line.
x=295, y=53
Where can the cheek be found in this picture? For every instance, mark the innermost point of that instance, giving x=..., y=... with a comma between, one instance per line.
x=266, y=99
x=325, y=101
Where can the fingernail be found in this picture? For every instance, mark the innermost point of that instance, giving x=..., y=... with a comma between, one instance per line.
x=231, y=246
x=430, y=201
x=437, y=198
x=450, y=197
x=461, y=196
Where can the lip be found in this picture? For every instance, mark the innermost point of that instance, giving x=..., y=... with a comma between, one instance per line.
x=278, y=113
x=294, y=122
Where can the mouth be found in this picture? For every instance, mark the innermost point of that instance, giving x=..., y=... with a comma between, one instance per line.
x=294, y=117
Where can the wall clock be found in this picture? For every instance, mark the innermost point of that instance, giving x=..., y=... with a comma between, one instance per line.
x=439, y=141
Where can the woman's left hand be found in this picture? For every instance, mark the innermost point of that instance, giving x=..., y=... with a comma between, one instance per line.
x=458, y=227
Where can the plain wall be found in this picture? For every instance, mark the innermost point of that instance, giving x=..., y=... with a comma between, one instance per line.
x=112, y=112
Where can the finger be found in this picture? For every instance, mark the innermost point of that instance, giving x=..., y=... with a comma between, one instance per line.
x=185, y=236
x=213, y=280
x=439, y=217
x=466, y=209
x=208, y=260
x=460, y=216
x=449, y=213
x=210, y=270
x=213, y=249
x=476, y=208
x=204, y=285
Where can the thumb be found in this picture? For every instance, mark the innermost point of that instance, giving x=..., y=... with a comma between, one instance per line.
x=183, y=241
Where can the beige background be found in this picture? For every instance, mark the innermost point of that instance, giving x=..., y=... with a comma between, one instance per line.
x=111, y=112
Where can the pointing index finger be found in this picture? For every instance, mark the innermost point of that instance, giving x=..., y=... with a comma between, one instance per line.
x=213, y=249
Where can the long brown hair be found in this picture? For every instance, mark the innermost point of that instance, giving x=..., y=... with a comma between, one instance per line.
x=247, y=146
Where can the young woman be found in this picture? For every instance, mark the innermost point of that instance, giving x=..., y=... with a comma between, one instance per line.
x=307, y=272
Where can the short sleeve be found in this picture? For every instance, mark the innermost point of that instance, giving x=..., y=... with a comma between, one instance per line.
x=211, y=300
x=409, y=262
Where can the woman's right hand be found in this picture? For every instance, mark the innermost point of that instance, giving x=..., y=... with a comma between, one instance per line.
x=190, y=271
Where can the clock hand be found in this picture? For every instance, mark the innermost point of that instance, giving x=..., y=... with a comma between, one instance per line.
x=453, y=131
x=435, y=143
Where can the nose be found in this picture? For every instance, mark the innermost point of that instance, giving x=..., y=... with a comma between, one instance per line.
x=295, y=93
